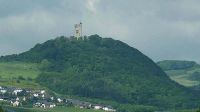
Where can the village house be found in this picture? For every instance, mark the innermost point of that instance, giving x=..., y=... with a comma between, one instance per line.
x=42, y=91
x=36, y=95
x=44, y=104
x=108, y=109
x=37, y=104
x=85, y=106
x=17, y=99
x=52, y=98
x=105, y=108
x=3, y=98
x=28, y=91
x=78, y=103
x=15, y=103
x=3, y=91
x=16, y=91
x=59, y=100
x=39, y=93
x=98, y=107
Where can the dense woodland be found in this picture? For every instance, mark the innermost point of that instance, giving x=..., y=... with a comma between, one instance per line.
x=108, y=69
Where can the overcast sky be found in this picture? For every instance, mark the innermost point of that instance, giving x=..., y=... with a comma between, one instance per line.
x=161, y=29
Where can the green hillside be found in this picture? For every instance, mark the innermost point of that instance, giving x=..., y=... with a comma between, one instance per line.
x=19, y=74
x=16, y=69
x=186, y=73
x=176, y=64
x=106, y=69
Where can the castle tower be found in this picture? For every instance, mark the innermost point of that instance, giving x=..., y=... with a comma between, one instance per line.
x=78, y=30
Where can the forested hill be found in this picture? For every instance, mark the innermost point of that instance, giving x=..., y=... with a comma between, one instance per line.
x=107, y=69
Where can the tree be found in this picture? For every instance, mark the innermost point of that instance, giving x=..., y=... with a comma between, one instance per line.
x=44, y=64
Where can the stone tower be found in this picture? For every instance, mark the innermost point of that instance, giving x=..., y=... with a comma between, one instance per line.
x=78, y=30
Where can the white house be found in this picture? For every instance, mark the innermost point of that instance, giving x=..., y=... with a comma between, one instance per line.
x=52, y=105
x=17, y=99
x=3, y=91
x=24, y=98
x=16, y=91
x=42, y=91
x=59, y=100
x=36, y=95
x=15, y=103
x=43, y=96
x=97, y=107
x=109, y=109
x=52, y=98
x=48, y=105
x=37, y=104
x=43, y=106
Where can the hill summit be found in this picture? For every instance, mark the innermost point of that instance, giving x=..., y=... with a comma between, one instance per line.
x=104, y=68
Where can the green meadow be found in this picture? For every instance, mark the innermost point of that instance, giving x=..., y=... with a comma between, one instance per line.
x=10, y=70
x=19, y=74
x=183, y=76
x=57, y=109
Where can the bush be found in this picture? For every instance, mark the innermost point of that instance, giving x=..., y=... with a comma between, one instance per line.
x=29, y=79
x=21, y=78
x=18, y=81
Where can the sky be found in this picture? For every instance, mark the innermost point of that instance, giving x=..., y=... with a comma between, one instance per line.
x=161, y=29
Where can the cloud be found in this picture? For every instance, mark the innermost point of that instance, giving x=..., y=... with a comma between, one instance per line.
x=91, y=5
x=160, y=29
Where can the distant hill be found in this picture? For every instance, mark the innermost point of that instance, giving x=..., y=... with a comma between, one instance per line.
x=107, y=69
x=186, y=73
x=176, y=64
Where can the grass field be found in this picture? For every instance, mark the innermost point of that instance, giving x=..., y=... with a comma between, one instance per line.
x=182, y=77
x=19, y=74
x=10, y=70
x=66, y=109
x=73, y=109
x=57, y=109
